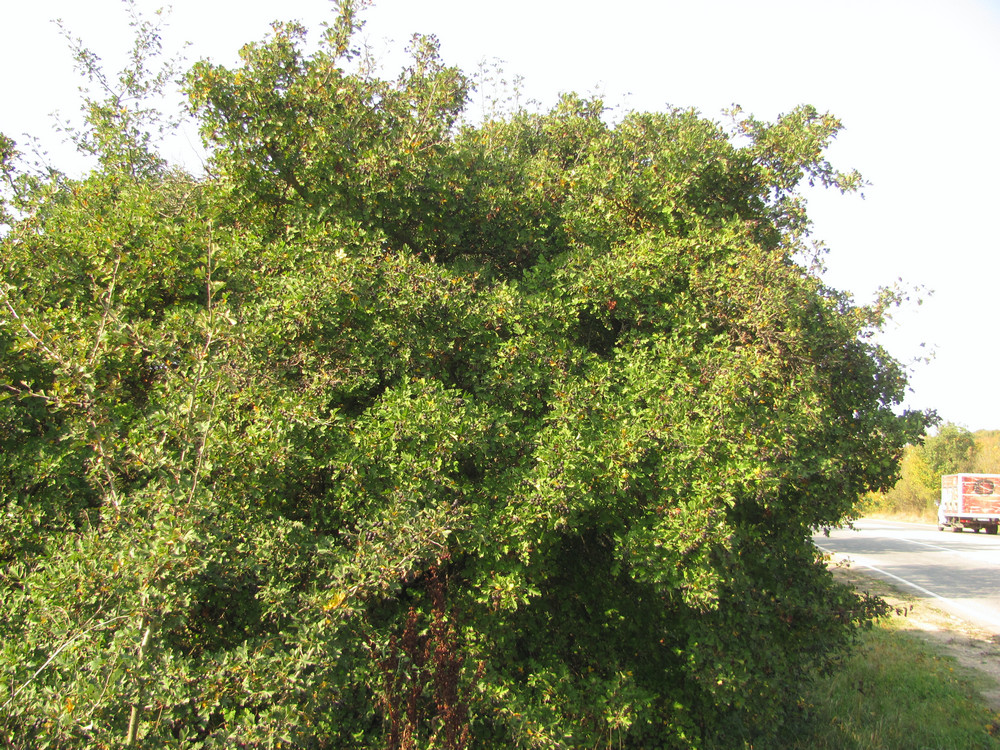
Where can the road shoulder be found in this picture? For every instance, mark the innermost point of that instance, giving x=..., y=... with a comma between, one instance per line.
x=971, y=646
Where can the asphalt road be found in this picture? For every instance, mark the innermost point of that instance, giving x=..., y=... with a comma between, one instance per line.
x=959, y=572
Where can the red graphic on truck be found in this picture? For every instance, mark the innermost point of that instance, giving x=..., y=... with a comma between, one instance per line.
x=970, y=501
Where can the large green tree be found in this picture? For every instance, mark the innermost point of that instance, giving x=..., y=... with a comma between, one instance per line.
x=397, y=430
x=950, y=451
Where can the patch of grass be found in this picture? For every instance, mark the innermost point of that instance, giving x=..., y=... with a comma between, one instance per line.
x=894, y=692
x=925, y=516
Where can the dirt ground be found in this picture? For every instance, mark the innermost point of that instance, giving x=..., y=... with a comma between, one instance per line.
x=968, y=644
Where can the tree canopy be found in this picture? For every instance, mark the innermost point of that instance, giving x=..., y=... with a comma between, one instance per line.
x=952, y=449
x=398, y=429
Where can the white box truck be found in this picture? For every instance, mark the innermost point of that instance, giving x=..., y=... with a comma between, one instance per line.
x=970, y=501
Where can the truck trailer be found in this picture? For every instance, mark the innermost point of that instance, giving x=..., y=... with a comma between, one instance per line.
x=970, y=501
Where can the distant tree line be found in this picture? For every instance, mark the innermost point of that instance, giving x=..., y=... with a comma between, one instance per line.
x=951, y=450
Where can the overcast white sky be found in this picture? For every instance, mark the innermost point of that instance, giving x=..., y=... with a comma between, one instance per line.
x=915, y=83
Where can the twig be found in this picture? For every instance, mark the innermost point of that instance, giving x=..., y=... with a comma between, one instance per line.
x=53, y=354
x=107, y=311
x=59, y=651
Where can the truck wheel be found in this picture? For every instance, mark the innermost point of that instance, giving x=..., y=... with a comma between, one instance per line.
x=992, y=529
x=956, y=529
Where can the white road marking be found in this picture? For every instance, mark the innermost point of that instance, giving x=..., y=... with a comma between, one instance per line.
x=974, y=614
x=969, y=552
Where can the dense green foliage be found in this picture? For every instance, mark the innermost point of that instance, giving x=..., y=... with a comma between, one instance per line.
x=395, y=430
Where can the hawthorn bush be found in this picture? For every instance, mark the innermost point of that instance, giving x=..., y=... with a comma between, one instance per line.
x=399, y=430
